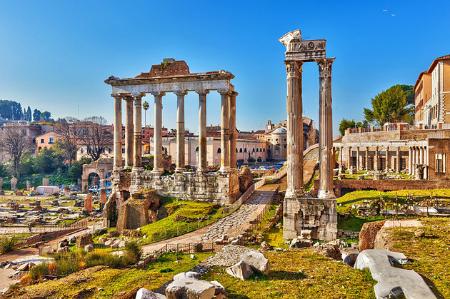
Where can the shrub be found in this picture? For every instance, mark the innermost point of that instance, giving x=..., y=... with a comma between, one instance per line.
x=134, y=250
x=39, y=271
x=67, y=262
x=7, y=244
x=97, y=258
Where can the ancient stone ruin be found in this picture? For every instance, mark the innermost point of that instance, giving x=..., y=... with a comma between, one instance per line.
x=129, y=175
x=302, y=212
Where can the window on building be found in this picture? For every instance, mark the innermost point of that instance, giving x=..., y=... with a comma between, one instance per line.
x=240, y=150
x=219, y=150
x=440, y=163
x=245, y=150
x=51, y=140
x=42, y=140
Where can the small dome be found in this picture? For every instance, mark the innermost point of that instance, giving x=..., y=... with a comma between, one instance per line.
x=280, y=130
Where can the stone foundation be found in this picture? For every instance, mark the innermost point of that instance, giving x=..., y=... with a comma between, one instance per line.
x=138, y=210
x=317, y=215
x=217, y=187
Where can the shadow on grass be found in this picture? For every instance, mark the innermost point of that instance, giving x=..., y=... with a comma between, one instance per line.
x=285, y=275
x=432, y=287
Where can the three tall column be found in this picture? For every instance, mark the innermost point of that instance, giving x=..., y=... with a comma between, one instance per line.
x=326, y=131
x=294, y=130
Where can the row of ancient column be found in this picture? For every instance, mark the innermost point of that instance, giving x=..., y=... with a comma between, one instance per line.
x=362, y=158
x=295, y=129
x=133, y=130
x=418, y=155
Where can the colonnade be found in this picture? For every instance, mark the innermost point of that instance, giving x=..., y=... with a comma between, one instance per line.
x=417, y=155
x=133, y=130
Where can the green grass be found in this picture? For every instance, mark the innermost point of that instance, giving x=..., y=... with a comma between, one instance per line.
x=183, y=217
x=104, y=282
x=354, y=223
x=299, y=274
x=356, y=197
x=430, y=254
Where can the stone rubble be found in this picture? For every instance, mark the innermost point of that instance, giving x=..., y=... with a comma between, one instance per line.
x=143, y=293
x=241, y=270
x=392, y=281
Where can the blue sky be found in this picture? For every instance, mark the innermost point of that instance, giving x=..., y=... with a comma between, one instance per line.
x=54, y=55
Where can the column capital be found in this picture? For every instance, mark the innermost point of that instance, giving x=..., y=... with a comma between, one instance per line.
x=293, y=68
x=158, y=93
x=118, y=96
x=137, y=95
x=181, y=93
x=202, y=91
x=224, y=92
x=325, y=65
x=234, y=93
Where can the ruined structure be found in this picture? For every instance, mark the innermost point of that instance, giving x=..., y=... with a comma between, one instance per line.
x=316, y=216
x=173, y=76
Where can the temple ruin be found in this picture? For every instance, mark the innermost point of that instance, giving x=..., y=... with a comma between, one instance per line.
x=129, y=175
x=302, y=213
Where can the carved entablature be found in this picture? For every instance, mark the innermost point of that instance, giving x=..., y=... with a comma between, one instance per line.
x=306, y=50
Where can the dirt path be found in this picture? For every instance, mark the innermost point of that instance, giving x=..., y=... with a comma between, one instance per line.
x=232, y=225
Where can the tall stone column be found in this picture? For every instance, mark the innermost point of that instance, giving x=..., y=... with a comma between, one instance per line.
x=349, y=162
x=425, y=162
x=413, y=164
x=202, y=130
x=232, y=127
x=129, y=132
x=137, y=119
x=397, y=166
x=387, y=159
x=180, y=161
x=117, y=132
x=224, y=131
x=367, y=158
x=294, y=130
x=341, y=166
x=325, y=130
x=357, y=159
x=157, y=134
x=375, y=159
x=421, y=155
x=410, y=160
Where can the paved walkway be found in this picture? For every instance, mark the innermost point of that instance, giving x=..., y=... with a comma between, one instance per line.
x=232, y=225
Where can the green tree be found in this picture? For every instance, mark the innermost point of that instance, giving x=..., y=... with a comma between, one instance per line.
x=345, y=124
x=391, y=105
x=36, y=115
x=48, y=161
x=46, y=115
x=3, y=170
x=145, y=105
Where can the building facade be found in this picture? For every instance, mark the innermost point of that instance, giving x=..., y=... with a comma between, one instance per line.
x=432, y=95
x=46, y=141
